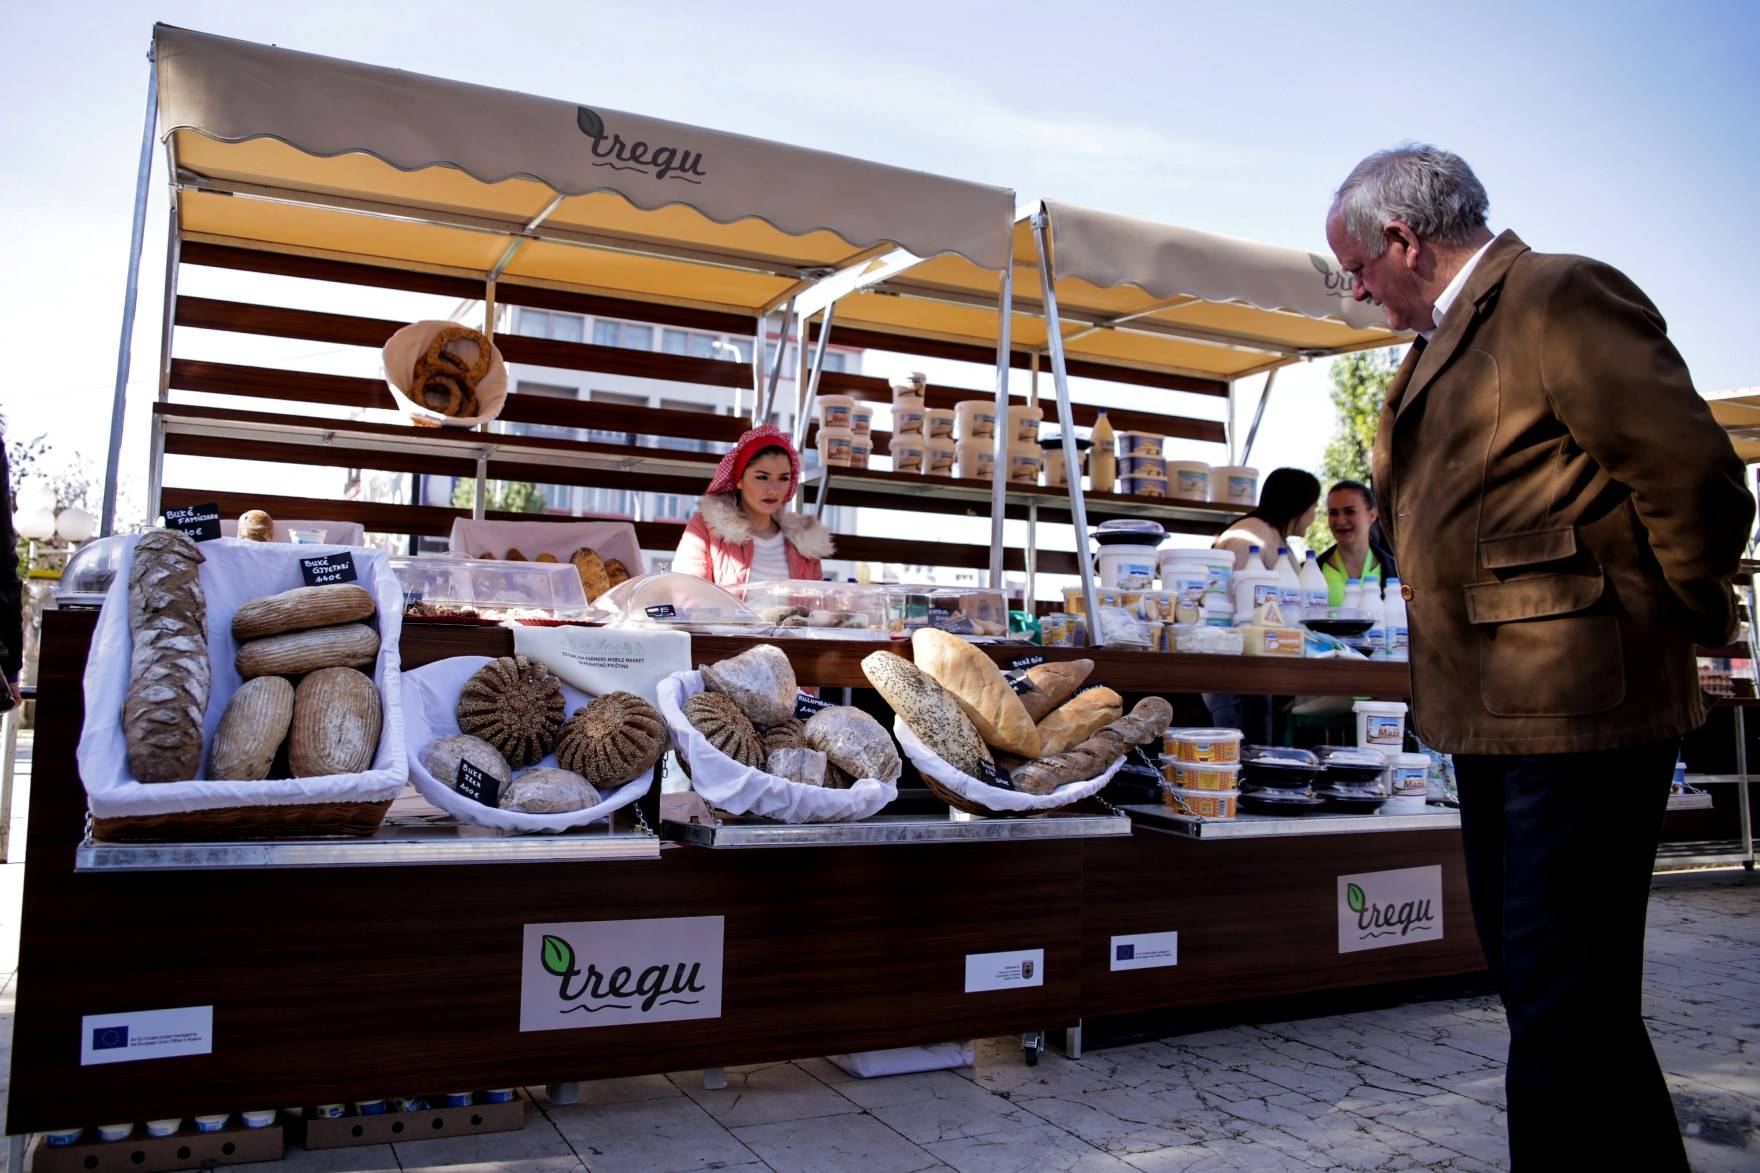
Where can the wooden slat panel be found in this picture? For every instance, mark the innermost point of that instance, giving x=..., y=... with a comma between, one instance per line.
x=221, y=378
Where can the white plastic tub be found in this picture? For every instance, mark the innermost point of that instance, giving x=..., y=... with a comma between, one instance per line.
x=1188, y=478
x=1235, y=484
x=1143, y=486
x=861, y=447
x=1025, y=461
x=1217, y=567
x=977, y=457
x=861, y=419
x=1408, y=775
x=907, y=416
x=1203, y=745
x=938, y=423
x=163, y=1127
x=1142, y=466
x=835, y=411
x=907, y=454
x=1380, y=725
x=1127, y=568
x=977, y=419
x=834, y=446
x=1023, y=424
x=909, y=386
x=1206, y=804
x=1210, y=776
x=939, y=455
x=1140, y=444
x=1054, y=470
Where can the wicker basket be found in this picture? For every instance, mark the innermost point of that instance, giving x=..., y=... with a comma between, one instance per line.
x=311, y=820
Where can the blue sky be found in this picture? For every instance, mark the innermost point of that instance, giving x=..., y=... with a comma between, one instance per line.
x=1624, y=131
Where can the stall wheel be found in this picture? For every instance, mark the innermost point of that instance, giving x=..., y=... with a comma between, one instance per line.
x=1033, y=1046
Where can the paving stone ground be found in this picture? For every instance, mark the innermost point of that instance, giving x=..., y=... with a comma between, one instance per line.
x=1414, y=1086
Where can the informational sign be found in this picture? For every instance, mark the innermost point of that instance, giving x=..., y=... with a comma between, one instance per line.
x=200, y=522
x=580, y=974
x=805, y=706
x=598, y=660
x=477, y=785
x=146, y=1034
x=328, y=568
x=1377, y=910
x=1015, y=969
x=1144, y=951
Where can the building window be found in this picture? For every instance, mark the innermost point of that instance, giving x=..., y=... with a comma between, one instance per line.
x=689, y=342
x=625, y=334
x=549, y=324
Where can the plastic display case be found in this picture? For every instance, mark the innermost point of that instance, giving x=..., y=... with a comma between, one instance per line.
x=843, y=609
x=676, y=600
x=86, y=578
x=462, y=589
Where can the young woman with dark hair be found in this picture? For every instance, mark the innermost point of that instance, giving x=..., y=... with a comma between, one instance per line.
x=743, y=530
x=1287, y=501
x=1351, y=516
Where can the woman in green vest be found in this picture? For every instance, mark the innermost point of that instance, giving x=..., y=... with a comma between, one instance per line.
x=1351, y=516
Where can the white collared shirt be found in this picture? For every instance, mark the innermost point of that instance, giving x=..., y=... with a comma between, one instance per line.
x=1448, y=296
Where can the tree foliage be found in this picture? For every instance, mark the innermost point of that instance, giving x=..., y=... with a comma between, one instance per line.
x=1359, y=384
x=504, y=496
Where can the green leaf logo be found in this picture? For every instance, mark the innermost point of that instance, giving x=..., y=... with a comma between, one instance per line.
x=558, y=956
x=589, y=121
x=1353, y=896
x=1319, y=263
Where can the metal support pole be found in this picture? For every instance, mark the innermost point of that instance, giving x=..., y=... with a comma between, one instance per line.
x=760, y=333
x=130, y=294
x=1258, y=415
x=763, y=410
x=999, y=473
x=811, y=394
x=489, y=309
x=480, y=505
x=156, y=468
x=1032, y=590
x=1078, y=508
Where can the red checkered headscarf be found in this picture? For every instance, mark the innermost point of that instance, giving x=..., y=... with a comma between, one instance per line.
x=733, y=465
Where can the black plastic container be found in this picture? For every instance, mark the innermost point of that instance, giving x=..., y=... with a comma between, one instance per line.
x=1276, y=768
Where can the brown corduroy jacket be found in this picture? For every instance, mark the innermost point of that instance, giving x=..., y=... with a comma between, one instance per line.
x=1565, y=511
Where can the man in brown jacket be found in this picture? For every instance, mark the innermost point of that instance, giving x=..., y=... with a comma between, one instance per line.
x=1567, y=517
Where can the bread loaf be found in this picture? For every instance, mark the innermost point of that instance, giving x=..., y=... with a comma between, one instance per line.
x=1091, y=758
x=301, y=609
x=168, y=666
x=515, y=705
x=294, y=653
x=548, y=791
x=806, y=766
x=442, y=756
x=933, y=715
x=760, y=680
x=1077, y=720
x=615, y=739
x=1045, y=686
x=251, y=730
x=256, y=526
x=336, y=716
x=594, y=580
x=725, y=727
x=855, y=742
x=791, y=734
x=977, y=684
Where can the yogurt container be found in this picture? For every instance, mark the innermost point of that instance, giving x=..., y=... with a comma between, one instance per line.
x=163, y=1127
x=938, y=423
x=1076, y=604
x=62, y=1137
x=1188, y=478
x=1059, y=630
x=1143, y=486
x=1025, y=461
x=1381, y=725
x=834, y=446
x=1127, y=568
x=214, y=1123
x=977, y=457
x=115, y=1131
x=1142, y=466
x=1023, y=423
x=1206, y=804
x=907, y=454
x=459, y=1099
x=1203, y=745
x=977, y=419
x=1235, y=484
x=1055, y=477
x=861, y=418
x=1217, y=567
x=1157, y=606
x=1209, y=776
x=409, y=1104
x=1140, y=444
x=861, y=446
x=907, y=416
x=368, y=1108
x=909, y=386
x=939, y=455
x=835, y=411
x=329, y=1112
x=499, y=1095
x=261, y=1118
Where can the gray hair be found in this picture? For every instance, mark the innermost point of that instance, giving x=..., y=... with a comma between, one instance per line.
x=1431, y=190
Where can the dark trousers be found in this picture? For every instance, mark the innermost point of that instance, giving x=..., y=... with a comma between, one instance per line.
x=1560, y=848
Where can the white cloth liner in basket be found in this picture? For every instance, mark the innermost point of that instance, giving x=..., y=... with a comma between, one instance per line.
x=430, y=697
x=743, y=790
x=411, y=343
x=995, y=798
x=233, y=572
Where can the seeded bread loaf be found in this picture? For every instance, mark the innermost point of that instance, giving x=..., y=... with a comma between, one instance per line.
x=615, y=739
x=977, y=684
x=1077, y=720
x=933, y=715
x=515, y=705
x=168, y=667
x=300, y=609
x=294, y=653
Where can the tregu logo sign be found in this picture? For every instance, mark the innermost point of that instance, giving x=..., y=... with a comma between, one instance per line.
x=662, y=162
x=620, y=972
x=1338, y=282
x=1381, y=909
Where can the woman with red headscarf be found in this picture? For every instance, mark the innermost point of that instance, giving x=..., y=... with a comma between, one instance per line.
x=742, y=531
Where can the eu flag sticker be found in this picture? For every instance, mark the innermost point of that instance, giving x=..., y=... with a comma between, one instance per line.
x=109, y=1038
x=1126, y=952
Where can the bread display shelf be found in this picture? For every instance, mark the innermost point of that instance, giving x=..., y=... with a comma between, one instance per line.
x=891, y=830
x=1159, y=818
x=399, y=843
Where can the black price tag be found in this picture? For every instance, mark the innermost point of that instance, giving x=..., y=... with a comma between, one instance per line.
x=663, y=611
x=805, y=706
x=995, y=775
x=200, y=522
x=328, y=568
x=477, y=785
x=1084, y=688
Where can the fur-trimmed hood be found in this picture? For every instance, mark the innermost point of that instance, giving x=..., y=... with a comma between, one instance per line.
x=722, y=512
